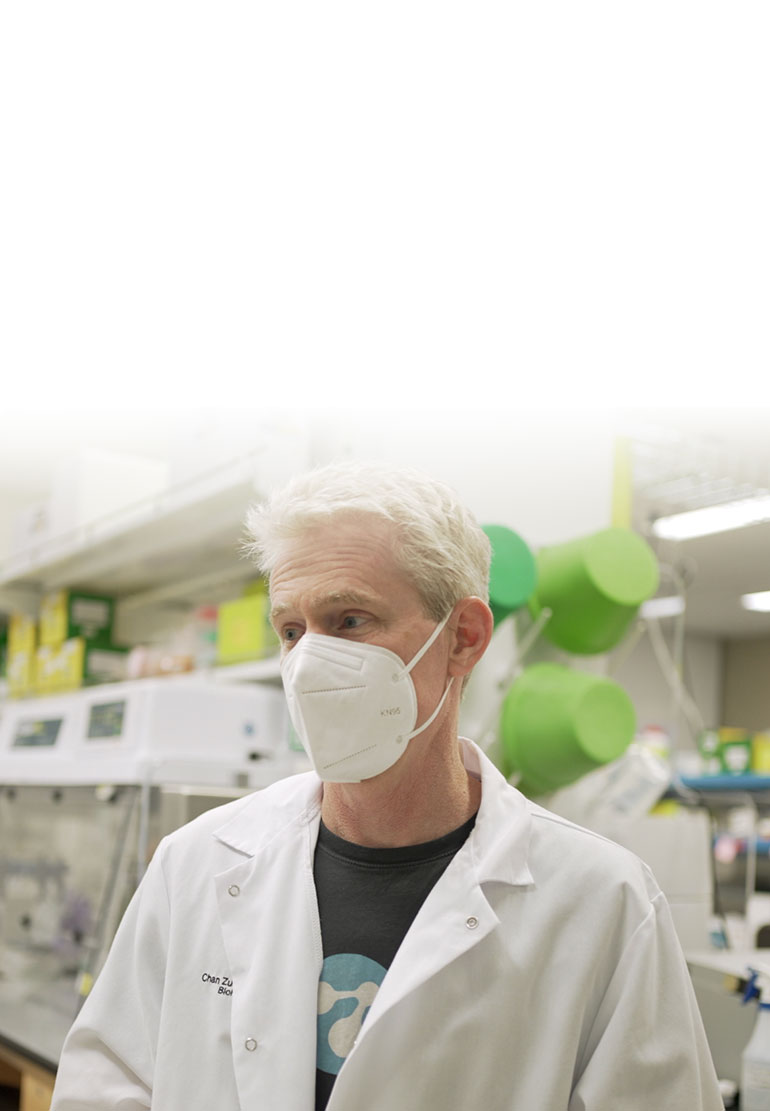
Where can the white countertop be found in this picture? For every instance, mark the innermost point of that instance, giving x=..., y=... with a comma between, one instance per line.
x=732, y=962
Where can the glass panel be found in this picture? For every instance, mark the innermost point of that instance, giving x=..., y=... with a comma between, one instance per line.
x=67, y=869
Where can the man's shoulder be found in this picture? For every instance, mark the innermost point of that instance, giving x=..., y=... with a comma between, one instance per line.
x=585, y=855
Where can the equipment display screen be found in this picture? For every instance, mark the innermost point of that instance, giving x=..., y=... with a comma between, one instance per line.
x=37, y=733
x=106, y=720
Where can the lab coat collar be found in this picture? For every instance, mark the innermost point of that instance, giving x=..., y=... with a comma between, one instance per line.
x=499, y=841
x=268, y=814
x=501, y=835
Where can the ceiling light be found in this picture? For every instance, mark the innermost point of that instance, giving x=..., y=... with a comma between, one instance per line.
x=713, y=518
x=662, y=607
x=759, y=601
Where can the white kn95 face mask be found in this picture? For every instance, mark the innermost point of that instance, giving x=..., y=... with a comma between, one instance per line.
x=353, y=705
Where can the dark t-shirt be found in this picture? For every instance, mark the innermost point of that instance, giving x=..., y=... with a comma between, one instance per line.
x=367, y=900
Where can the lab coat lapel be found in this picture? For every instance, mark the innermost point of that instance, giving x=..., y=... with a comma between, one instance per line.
x=269, y=918
x=453, y=919
x=456, y=916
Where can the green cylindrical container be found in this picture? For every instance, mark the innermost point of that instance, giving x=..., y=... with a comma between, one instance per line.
x=558, y=724
x=513, y=574
x=593, y=587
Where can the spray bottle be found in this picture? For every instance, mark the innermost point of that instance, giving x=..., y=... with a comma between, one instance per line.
x=755, y=1063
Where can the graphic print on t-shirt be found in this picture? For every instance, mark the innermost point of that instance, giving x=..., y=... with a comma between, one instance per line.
x=349, y=982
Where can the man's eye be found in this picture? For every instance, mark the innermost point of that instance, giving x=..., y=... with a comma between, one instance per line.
x=350, y=621
x=290, y=634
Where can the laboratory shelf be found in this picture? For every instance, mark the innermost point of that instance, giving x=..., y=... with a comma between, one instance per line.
x=718, y=784
x=182, y=533
x=170, y=548
x=762, y=846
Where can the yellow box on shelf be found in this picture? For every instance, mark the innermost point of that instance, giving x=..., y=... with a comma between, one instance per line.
x=65, y=614
x=21, y=634
x=20, y=673
x=59, y=667
x=244, y=631
x=75, y=663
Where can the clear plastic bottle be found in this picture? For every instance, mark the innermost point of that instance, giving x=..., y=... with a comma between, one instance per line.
x=755, y=1062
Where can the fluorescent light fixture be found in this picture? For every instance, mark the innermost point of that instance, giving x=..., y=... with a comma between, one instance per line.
x=662, y=607
x=713, y=518
x=760, y=601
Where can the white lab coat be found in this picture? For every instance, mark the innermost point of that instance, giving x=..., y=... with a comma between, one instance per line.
x=541, y=974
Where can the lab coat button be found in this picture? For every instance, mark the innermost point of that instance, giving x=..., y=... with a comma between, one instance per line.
x=234, y=890
x=472, y=922
x=250, y=1044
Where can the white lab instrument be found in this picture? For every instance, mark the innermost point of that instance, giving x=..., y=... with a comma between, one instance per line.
x=148, y=731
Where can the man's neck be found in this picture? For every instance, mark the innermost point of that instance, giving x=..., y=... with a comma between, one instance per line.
x=427, y=794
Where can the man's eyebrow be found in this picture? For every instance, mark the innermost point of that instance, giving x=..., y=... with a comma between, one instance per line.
x=333, y=598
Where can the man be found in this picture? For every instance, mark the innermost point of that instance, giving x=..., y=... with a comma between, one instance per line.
x=399, y=930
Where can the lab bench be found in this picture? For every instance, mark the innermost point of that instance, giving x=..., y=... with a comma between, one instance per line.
x=31, y=1038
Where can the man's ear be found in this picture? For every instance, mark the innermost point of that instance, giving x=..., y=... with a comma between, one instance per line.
x=472, y=625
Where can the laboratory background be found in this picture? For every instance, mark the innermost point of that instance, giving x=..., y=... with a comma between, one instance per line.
x=520, y=247
x=625, y=686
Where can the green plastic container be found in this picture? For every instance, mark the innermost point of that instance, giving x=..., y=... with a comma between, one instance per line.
x=513, y=573
x=593, y=587
x=558, y=724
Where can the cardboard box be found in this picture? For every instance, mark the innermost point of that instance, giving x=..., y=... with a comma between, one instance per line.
x=66, y=613
x=20, y=674
x=22, y=634
x=104, y=664
x=735, y=750
x=709, y=748
x=75, y=663
x=244, y=631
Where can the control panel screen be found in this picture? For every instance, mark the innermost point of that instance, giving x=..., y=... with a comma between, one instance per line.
x=37, y=732
x=106, y=720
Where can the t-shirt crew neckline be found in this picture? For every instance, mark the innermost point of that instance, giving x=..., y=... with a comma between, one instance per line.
x=366, y=856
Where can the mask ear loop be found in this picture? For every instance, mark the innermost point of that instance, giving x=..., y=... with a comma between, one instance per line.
x=415, y=660
x=435, y=713
x=428, y=643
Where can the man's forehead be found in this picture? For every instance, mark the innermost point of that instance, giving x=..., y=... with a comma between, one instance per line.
x=341, y=563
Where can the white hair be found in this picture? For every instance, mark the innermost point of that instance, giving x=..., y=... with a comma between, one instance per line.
x=437, y=541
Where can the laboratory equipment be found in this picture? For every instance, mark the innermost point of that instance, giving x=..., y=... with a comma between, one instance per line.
x=146, y=730
x=755, y=1061
x=90, y=781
